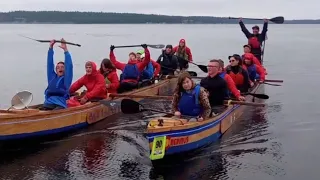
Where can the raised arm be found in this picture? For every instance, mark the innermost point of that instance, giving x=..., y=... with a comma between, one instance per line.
x=50, y=65
x=114, y=61
x=244, y=29
x=264, y=30
x=68, y=66
x=146, y=59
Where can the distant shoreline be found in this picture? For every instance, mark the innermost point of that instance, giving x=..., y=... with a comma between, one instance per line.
x=61, y=17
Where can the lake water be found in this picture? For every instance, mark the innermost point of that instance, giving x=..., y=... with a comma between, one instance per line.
x=277, y=142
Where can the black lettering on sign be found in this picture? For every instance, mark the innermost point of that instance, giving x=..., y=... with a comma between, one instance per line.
x=159, y=144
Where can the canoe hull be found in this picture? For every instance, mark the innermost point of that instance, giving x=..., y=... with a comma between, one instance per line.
x=34, y=123
x=183, y=136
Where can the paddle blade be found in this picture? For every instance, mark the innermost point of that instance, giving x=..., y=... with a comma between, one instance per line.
x=260, y=96
x=277, y=20
x=272, y=84
x=192, y=73
x=129, y=106
x=21, y=100
x=157, y=46
x=203, y=68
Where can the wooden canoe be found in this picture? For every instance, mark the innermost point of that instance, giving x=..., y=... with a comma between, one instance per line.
x=180, y=136
x=29, y=123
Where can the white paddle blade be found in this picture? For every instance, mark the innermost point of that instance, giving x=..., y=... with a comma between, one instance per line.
x=21, y=100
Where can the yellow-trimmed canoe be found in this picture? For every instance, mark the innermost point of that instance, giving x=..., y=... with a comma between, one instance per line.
x=29, y=123
x=169, y=136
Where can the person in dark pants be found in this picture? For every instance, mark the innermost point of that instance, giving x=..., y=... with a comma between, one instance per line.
x=255, y=39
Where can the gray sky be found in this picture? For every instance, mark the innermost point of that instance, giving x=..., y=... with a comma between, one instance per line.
x=290, y=9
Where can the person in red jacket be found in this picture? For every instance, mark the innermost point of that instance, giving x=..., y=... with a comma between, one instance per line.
x=255, y=72
x=110, y=75
x=183, y=53
x=94, y=83
x=247, y=50
x=130, y=71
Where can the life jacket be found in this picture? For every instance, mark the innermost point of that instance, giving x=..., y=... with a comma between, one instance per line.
x=182, y=53
x=130, y=71
x=147, y=73
x=252, y=71
x=237, y=78
x=228, y=93
x=56, y=88
x=189, y=102
x=254, y=42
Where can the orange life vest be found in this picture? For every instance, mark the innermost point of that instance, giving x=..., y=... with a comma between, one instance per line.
x=237, y=78
x=254, y=42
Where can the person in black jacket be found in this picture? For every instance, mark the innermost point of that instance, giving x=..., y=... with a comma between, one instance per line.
x=168, y=61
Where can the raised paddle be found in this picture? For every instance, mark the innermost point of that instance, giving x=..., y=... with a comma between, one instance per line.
x=156, y=46
x=277, y=20
x=47, y=41
x=170, y=98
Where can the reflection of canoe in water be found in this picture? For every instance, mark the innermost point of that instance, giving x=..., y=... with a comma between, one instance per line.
x=19, y=124
x=168, y=136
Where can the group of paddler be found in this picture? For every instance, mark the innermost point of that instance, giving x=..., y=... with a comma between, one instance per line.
x=191, y=99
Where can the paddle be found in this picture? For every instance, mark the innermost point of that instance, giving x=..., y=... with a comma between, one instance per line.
x=270, y=80
x=129, y=106
x=202, y=67
x=170, y=98
x=46, y=41
x=192, y=73
x=157, y=46
x=260, y=96
x=277, y=20
x=271, y=84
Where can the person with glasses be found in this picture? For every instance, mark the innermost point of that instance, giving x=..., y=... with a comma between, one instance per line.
x=239, y=75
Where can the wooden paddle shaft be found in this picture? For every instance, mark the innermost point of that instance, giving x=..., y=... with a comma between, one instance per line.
x=170, y=98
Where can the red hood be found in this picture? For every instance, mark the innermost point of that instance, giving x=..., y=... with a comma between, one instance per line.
x=94, y=68
x=248, y=56
x=184, y=41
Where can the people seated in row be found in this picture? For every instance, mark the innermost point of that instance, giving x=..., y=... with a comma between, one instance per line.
x=238, y=74
x=151, y=71
x=168, y=61
x=183, y=53
x=59, y=81
x=131, y=71
x=110, y=75
x=95, y=84
x=190, y=99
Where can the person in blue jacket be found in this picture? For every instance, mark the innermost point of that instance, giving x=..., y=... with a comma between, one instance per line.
x=59, y=81
x=148, y=72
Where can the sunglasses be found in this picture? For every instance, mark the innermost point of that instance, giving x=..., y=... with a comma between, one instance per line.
x=232, y=60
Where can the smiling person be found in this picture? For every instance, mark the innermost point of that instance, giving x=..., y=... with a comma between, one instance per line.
x=190, y=99
x=95, y=84
x=59, y=81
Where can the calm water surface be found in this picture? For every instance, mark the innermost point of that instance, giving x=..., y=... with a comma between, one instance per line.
x=277, y=142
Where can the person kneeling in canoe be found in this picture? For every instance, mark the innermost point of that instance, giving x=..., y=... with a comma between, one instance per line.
x=190, y=99
x=110, y=75
x=238, y=74
x=130, y=71
x=94, y=83
x=59, y=82
x=168, y=61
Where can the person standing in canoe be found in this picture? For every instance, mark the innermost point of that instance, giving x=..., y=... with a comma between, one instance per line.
x=132, y=70
x=255, y=39
x=255, y=72
x=59, y=82
x=247, y=50
x=168, y=61
x=232, y=88
x=95, y=84
x=183, y=53
x=110, y=75
x=217, y=86
x=190, y=99
x=238, y=74
x=152, y=70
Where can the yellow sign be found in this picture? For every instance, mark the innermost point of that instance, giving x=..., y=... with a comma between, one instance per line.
x=158, y=148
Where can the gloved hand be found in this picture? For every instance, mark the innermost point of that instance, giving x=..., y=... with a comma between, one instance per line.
x=112, y=47
x=144, y=46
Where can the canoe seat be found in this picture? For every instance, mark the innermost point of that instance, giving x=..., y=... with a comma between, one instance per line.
x=166, y=122
x=19, y=111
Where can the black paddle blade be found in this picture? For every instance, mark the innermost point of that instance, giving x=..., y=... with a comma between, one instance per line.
x=203, y=68
x=129, y=106
x=260, y=96
x=272, y=84
x=158, y=46
x=277, y=20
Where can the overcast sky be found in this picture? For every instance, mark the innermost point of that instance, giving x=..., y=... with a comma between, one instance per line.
x=290, y=9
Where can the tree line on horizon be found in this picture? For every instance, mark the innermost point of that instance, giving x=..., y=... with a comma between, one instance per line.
x=76, y=17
